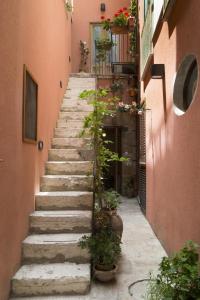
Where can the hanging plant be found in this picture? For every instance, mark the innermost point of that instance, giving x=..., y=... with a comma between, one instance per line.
x=104, y=44
x=119, y=23
x=137, y=108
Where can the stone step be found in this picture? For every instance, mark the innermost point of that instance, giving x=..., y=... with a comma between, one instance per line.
x=70, y=155
x=69, y=167
x=73, y=115
x=73, y=221
x=70, y=124
x=76, y=108
x=51, y=279
x=66, y=183
x=71, y=102
x=67, y=132
x=71, y=143
x=54, y=248
x=64, y=200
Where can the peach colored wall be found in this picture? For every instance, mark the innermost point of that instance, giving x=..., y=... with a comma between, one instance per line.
x=173, y=146
x=35, y=33
x=85, y=12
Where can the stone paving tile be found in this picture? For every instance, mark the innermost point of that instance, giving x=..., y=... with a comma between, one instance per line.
x=141, y=253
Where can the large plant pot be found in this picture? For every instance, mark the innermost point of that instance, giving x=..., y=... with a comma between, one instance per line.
x=109, y=218
x=104, y=275
x=119, y=29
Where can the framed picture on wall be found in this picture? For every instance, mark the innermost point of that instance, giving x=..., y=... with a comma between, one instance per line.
x=30, y=105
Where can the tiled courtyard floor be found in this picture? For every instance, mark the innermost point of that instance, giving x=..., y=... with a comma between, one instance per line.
x=141, y=253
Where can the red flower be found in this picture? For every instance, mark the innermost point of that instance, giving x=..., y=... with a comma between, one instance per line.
x=124, y=8
x=121, y=10
x=102, y=17
x=116, y=15
x=127, y=14
x=108, y=20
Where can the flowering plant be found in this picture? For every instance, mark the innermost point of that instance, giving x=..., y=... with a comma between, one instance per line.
x=120, y=19
x=132, y=108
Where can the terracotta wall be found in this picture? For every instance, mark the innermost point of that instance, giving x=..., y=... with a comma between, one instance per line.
x=35, y=33
x=173, y=146
x=85, y=12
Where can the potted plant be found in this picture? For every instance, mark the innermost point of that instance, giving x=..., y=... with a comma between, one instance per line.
x=107, y=216
x=105, y=250
x=119, y=24
x=178, y=276
x=93, y=125
x=104, y=44
x=116, y=86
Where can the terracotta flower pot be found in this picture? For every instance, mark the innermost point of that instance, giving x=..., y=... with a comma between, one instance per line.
x=109, y=218
x=119, y=29
x=105, y=273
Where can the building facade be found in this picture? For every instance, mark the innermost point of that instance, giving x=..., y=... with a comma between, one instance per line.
x=169, y=72
x=37, y=36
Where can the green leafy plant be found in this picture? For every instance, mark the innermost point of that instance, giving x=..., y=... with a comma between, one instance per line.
x=104, y=44
x=116, y=86
x=104, y=247
x=120, y=19
x=93, y=124
x=134, y=107
x=133, y=35
x=68, y=6
x=111, y=199
x=178, y=277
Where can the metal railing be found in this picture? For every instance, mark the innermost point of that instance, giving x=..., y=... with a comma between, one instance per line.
x=119, y=59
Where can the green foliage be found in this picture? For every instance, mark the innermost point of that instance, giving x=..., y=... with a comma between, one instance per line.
x=133, y=8
x=68, y=6
x=93, y=124
x=111, y=199
x=178, y=277
x=121, y=20
x=116, y=86
x=133, y=35
x=104, y=44
x=104, y=247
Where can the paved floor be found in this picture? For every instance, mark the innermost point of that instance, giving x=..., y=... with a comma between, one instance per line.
x=141, y=253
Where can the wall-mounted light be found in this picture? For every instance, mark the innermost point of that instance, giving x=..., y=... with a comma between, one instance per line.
x=40, y=145
x=102, y=7
x=157, y=71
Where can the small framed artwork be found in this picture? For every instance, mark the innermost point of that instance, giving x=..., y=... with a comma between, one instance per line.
x=30, y=106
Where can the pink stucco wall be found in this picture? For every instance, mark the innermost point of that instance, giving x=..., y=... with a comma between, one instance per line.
x=35, y=33
x=86, y=12
x=173, y=147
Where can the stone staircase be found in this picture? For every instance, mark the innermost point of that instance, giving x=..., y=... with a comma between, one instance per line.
x=52, y=261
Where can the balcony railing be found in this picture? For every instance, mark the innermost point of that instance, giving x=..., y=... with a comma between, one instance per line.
x=119, y=59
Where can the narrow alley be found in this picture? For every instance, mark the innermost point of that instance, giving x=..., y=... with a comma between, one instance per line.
x=141, y=254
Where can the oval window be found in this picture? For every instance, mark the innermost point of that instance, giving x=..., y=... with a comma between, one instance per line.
x=185, y=84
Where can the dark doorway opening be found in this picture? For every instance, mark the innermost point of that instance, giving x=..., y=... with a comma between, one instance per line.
x=113, y=175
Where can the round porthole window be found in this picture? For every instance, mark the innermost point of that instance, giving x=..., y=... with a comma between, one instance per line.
x=185, y=84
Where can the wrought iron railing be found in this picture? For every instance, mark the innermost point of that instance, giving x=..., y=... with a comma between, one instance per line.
x=119, y=59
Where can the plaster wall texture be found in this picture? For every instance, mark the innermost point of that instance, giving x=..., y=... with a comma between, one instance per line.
x=172, y=141
x=38, y=36
x=85, y=13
